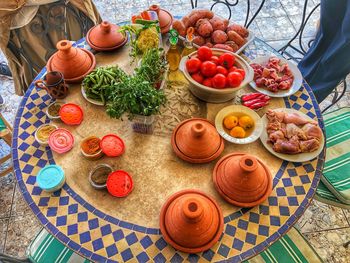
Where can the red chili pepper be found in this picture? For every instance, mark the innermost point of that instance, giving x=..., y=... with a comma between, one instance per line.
x=134, y=18
x=145, y=15
x=250, y=96
x=258, y=105
x=264, y=98
x=251, y=102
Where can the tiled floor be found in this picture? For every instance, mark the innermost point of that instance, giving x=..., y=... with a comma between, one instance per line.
x=326, y=227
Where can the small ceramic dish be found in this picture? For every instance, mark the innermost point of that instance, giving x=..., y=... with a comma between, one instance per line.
x=100, y=183
x=94, y=156
x=51, y=178
x=92, y=101
x=238, y=110
x=298, y=78
x=44, y=142
x=52, y=117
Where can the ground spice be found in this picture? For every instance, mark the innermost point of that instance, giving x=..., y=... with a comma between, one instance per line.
x=44, y=132
x=91, y=145
x=100, y=175
x=54, y=110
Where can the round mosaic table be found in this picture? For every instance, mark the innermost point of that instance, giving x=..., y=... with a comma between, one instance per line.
x=103, y=228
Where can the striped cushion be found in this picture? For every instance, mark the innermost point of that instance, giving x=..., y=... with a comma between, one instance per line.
x=45, y=248
x=336, y=173
x=325, y=196
x=2, y=125
x=291, y=248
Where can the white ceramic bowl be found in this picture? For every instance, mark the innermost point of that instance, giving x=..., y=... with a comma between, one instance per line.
x=216, y=95
x=99, y=166
x=43, y=143
x=238, y=109
x=54, y=118
x=94, y=156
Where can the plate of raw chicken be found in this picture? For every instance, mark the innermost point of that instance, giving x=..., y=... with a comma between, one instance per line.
x=291, y=135
x=276, y=77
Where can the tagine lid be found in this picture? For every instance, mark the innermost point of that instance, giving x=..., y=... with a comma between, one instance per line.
x=242, y=180
x=61, y=140
x=74, y=63
x=105, y=36
x=165, y=18
x=191, y=221
x=196, y=140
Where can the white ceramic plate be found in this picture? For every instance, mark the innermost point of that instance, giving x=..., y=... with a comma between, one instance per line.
x=298, y=78
x=300, y=157
x=241, y=110
x=95, y=102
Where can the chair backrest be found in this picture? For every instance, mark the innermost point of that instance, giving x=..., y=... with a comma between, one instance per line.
x=5, y=130
x=249, y=16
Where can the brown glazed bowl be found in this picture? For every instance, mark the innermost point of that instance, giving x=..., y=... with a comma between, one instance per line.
x=242, y=179
x=74, y=63
x=197, y=141
x=191, y=221
x=164, y=17
x=105, y=37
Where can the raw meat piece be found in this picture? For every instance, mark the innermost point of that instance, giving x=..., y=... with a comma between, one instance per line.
x=295, y=118
x=312, y=131
x=290, y=146
x=309, y=145
x=294, y=130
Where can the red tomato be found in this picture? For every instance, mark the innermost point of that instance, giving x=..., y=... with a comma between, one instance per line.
x=197, y=77
x=232, y=69
x=234, y=79
x=193, y=65
x=241, y=71
x=208, y=82
x=208, y=69
x=215, y=59
x=221, y=70
x=219, y=81
x=227, y=60
x=204, y=53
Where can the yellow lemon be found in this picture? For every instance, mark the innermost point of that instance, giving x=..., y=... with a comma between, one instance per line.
x=237, y=132
x=230, y=122
x=246, y=122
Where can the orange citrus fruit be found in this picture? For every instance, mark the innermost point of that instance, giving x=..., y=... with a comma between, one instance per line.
x=237, y=132
x=246, y=122
x=230, y=122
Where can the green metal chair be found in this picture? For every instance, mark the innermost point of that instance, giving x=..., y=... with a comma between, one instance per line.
x=6, y=136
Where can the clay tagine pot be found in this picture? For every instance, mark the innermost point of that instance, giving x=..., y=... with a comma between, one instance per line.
x=105, y=37
x=164, y=17
x=74, y=63
x=197, y=141
x=191, y=221
x=242, y=179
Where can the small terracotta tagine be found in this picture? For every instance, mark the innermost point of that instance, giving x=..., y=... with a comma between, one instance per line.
x=74, y=63
x=105, y=37
x=197, y=141
x=191, y=221
x=242, y=179
x=164, y=17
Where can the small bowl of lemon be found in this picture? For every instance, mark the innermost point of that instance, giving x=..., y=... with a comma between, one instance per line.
x=238, y=124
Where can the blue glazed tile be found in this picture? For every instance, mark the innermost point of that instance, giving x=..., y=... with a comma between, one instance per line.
x=85, y=237
x=62, y=237
x=250, y=238
x=284, y=210
x=272, y=200
x=61, y=221
x=304, y=96
x=72, y=229
x=293, y=98
x=89, y=207
x=112, y=220
x=97, y=244
x=307, y=106
x=64, y=200
x=292, y=201
x=263, y=230
x=52, y=229
x=93, y=223
x=247, y=254
x=308, y=168
x=283, y=230
x=35, y=208
x=253, y=217
x=259, y=248
x=245, y=210
x=310, y=194
x=275, y=221
x=73, y=209
x=131, y=238
x=141, y=229
x=28, y=169
x=230, y=230
x=24, y=146
x=236, y=215
x=292, y=172
x=299, y=190
x=85, y=252
x=223, y=250
x=208, y=254
x=305, y=179
x=125, y=225
x=41, y=163
x=227, y=219
x=73, y=245
x=142, y=257
x=25, y=157
x=99, y=213
x=127, y=254
x=42, y=218
x=51, y=211
x=237, y=244
x=82, y=216
x=43, y=201
x=263, y=209
x=98, y=258
x=159, y=258
x=281, y=191
x=106, y=230
x=242, y=224
x=161, y=244
x=296, y=106
x=287, y=182
x=153, y=231
x=146, y=242
x=118, y=235
x=111, y=250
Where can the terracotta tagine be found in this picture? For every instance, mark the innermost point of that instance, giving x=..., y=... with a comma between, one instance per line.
x=164, y=17
x=105, y=37
x=74, y=63
x=197, y=141
x=242, y=179
x=191, y=221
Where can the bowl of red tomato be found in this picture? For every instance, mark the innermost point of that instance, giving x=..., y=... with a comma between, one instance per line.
x=215, y=75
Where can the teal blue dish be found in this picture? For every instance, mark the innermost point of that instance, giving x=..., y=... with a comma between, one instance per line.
x=51, y=178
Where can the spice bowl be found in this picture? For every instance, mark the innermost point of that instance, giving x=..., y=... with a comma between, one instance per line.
x=53, y=110
x=90, y=148
x=98, y=176
x=43, y=132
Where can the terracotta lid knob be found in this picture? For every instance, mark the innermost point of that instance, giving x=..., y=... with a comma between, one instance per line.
x=193, y=210
x=64, y=45
x=248, y=164
x=154, y=8
x=198, y=129
x=105, y=27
